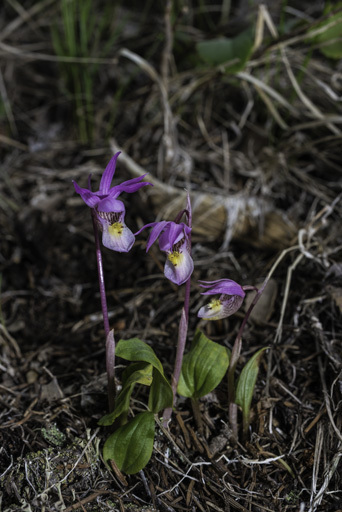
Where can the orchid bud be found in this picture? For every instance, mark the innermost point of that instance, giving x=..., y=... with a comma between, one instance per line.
x=230, y=300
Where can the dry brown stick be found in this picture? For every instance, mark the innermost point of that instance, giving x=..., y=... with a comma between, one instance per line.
x=87, y=500
x=315, y=420
x=11, y=142
x=184, y=430
x=174, y=444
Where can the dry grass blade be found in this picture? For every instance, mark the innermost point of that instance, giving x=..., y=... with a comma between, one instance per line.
x=303, y=97
x=267, y=89
x=25, y=15
x=168, y=119
x=20, y=53
x=329, y=473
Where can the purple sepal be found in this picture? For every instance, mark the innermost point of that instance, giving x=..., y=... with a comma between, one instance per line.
x=108, y=174
x=172, y=234
x=90, y=198
x=222, y=286
x=132, y=185
x=157, y=229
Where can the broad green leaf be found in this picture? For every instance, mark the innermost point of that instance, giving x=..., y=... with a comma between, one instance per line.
x=246, y=383
x=131, y=445
x=140, y=373
x=203, y=367
x=161, y=395
x=136, y=350
x=223, y=50
x=330, y=40
x=143, y=372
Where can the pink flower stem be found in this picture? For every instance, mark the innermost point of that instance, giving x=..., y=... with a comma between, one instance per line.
x=183, y=328
x=182, y=334
x=236, y=351
x=110, y=342
x=110, y=367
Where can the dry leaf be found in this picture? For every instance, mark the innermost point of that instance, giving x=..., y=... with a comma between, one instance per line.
x=263, y=310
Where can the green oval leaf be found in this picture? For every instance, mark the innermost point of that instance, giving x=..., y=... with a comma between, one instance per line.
x=246, y=383
x=139, y=373
x=161, y=395
x=203, y=367
x=222, y=50
x=330, y=39
x=131, y=445
x=137, y=350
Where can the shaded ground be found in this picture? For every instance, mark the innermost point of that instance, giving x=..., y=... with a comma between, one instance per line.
x=264, y=173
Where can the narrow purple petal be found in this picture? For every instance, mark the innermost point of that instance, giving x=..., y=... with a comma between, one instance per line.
x=158, y=228
x=117, y=237
x=108, y=174
x=227, y=287
x=118, y=189
x=211, y=283
x=144, y=227
x=176, y=232
x=187, y=230
x=130, y=185
x=90, y=198
x=172, y=234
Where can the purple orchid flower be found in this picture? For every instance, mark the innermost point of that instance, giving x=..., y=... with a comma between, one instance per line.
x=110, y=212
x=230, y=300
x=174, y=239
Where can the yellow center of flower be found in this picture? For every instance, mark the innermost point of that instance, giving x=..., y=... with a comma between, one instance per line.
x=115, y=229
x=215, y=305
x=175, y=257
